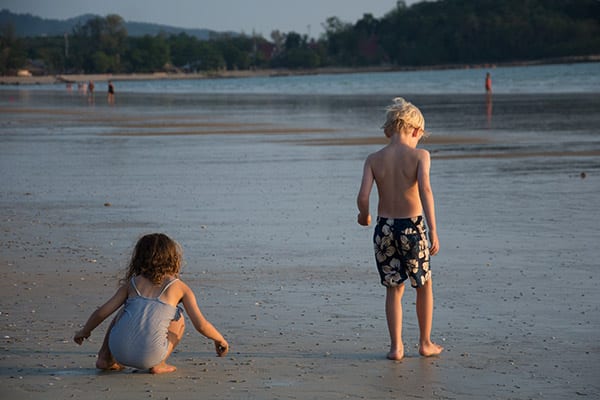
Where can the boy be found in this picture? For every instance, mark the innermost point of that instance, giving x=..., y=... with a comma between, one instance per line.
x=401, y=172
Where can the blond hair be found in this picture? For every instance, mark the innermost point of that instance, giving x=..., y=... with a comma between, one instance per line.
x=401, y=115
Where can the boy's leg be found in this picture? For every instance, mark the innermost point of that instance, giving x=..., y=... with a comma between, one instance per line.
x=105, y=360
x=425, y=316
x=393, y=313
x=175, y=333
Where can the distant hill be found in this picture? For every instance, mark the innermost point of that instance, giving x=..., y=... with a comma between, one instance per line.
x=30, y=25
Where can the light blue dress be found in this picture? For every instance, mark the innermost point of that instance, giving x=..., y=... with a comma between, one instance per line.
x=139, y=336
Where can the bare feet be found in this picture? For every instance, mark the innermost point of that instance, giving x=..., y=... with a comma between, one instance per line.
x=163, y=368
x=105, y=360
x=430, y=349
x=109, y=365
x=395, y=355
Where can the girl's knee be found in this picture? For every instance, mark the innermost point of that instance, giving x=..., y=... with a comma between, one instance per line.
x=177, y=328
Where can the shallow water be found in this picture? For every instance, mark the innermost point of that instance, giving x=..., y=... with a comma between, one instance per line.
x=537, y=79
x=232, y=178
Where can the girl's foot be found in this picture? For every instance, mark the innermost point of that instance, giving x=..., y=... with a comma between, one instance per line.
x=109, y=365
x=163, y=368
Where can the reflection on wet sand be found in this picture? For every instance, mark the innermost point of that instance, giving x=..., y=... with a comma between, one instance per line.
x=488, y=109
x=241, y=131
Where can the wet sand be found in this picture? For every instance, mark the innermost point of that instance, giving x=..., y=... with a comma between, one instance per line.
x=264, y=207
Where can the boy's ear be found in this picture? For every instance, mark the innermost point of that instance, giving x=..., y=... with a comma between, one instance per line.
x=415, y=132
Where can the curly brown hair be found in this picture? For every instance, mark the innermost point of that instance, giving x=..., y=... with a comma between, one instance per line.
x=155, y=256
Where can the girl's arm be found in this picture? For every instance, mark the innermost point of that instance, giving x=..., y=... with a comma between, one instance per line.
x=201, y=324
x=101, y=314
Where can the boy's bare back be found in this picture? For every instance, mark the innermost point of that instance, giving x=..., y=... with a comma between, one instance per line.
x=395, y=169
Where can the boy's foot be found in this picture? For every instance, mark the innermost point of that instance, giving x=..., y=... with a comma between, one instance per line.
x=395, y=355
x=430, y=349
x=163, y=369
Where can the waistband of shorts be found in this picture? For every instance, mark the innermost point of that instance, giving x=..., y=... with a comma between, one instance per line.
x=418, y=220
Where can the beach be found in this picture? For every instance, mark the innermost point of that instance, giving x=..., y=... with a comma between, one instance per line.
x=221, y=74
x=260, y=190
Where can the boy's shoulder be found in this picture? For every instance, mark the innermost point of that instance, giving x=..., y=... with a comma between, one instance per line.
x=406, y=156
x=416, y=151
x=422, y=152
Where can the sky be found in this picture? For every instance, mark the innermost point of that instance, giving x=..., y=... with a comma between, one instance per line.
x=242, y=16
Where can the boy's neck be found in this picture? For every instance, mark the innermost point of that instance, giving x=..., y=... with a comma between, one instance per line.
x=405, y=139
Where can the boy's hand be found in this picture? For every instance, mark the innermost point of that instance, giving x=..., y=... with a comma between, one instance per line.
x=80, y=336
x=434, y=244
x=364, y=221
x=222, y=348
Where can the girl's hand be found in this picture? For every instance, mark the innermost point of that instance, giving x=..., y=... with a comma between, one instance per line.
x=80, y=336
x=222, y=348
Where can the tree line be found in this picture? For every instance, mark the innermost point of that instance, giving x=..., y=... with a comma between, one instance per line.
x=424, y=34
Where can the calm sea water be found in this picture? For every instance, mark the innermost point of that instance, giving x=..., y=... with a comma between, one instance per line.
x=562, y=78
x=566, y=78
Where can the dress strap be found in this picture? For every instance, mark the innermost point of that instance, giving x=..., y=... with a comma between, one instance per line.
x=135, y=287
x=167, y=286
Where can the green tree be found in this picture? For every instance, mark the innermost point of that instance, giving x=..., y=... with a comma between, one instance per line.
x=192, y=54
x=99, y=44
x=237, y=51
x=12, y=51
x=296, y=52
x=50, y=50
x=366, y=32
x=148, y=53
x=341, y=42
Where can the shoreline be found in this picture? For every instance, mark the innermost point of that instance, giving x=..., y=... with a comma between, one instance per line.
x=273, y=73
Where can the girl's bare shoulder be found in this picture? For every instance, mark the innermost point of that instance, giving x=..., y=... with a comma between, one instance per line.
x=182, y=287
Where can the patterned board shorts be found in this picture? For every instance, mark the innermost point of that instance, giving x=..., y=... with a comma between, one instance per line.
x=401, y=251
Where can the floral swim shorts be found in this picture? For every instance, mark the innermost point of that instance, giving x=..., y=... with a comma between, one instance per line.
x=401, y=251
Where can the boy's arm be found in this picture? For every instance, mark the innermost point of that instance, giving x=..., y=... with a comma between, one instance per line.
x=427, y=201
x=103, y=312
x=201, y=324
x=362, y=200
